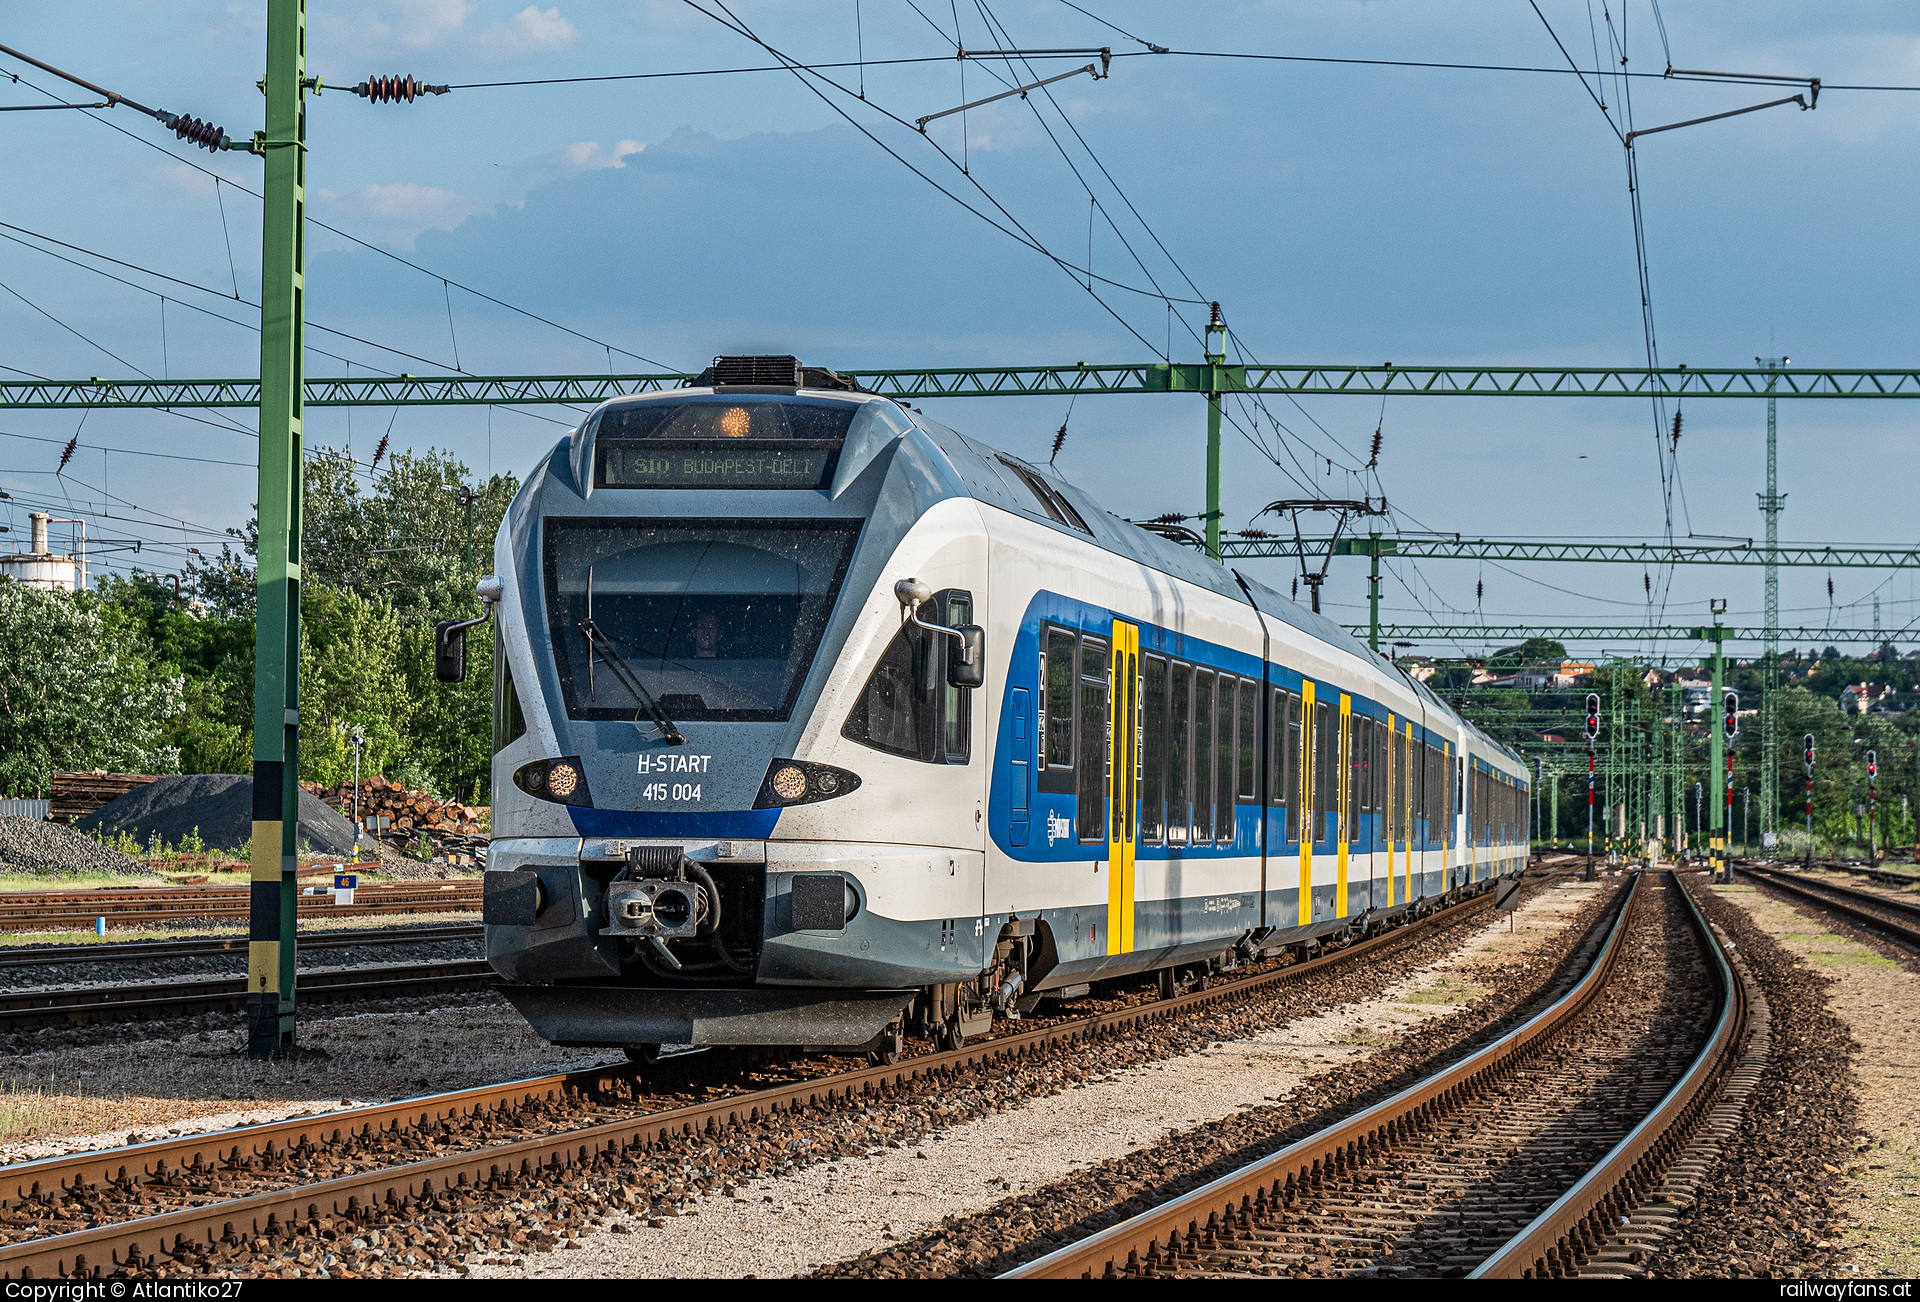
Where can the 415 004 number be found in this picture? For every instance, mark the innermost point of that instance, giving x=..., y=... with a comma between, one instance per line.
x=670, y=791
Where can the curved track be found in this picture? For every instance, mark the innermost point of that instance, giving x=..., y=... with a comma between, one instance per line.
x=1503, y=1163
x=1899, y=919
x=216, y=1210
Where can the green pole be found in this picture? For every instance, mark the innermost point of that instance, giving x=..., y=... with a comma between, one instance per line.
x=276, y=665
x=1373, y=590
x=1216, y=358
x=1716, y=747
x=1553, y=795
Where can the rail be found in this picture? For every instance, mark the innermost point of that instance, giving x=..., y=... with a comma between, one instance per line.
x=1579, y=1220
x=1847, y=902
x=1152, y=1241
x=77, y=1005
x=132, y=1245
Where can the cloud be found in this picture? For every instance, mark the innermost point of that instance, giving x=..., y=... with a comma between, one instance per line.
x=531, y=31
x=399, y=213
x=589, y=156
x=445, y=25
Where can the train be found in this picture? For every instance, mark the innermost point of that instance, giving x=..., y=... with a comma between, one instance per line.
x=821, y=726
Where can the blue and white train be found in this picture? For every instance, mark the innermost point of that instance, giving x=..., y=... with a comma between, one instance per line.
x=820, y=724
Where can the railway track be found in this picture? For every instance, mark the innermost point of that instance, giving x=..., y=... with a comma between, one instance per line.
x=58, y=910
x=1517, y=1161
x=204, y=1202
x=147, y=1000
x=1896, y=918
x=127, y=951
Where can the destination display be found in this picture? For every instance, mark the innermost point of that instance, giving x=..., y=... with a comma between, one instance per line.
x=663, y=463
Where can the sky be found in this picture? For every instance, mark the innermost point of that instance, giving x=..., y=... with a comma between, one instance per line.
x=1339, y=212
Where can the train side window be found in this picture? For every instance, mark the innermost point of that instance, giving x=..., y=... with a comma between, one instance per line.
x=1383, y=778
x=956, y=705
x=1325, y=743
x=1293, y=766
x=1179, y=750
x=1057, y=675
x=1355, y=766
x=1397, y=764
x=1249, y=739
x=906, y=707
x=1203, y=683
x=1276, y=746
x=509, y=725
x=1093, y=738
x=1225, y=829
x=1153, y=750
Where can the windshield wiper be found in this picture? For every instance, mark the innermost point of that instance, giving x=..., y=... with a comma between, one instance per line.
x=599, y=644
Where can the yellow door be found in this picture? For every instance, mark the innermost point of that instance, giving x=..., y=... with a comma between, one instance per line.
x=1304, y=793
x=1345, y=770
x=1123, y=789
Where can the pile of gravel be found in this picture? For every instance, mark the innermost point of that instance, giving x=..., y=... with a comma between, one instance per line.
x=35, y=846
x=220, y=805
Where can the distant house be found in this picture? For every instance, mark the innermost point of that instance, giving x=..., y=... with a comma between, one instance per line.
x=1569, y=673
x=1866, y=698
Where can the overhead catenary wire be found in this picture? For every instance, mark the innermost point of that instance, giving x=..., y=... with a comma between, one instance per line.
x=356, y=240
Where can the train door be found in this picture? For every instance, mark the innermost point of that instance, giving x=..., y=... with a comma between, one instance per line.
x=1343, y=804
x=1303, y=792
x=1123, y=786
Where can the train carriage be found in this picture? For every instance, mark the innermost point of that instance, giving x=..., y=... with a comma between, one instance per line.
x=820, y=724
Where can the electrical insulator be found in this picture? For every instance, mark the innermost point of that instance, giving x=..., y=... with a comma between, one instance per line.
x=378, y=452
x=204, y=134
x=1730, y=717
x=383, y=90
x=66, y=453
x=1374, y=459
x=1676, y=429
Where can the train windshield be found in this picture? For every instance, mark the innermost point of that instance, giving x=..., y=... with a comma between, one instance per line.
x=716, y=619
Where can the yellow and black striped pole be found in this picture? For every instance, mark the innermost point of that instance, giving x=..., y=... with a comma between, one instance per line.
x=276, y=664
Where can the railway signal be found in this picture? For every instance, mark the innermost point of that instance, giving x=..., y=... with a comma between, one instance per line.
x=1873, y=784
x=1729, y=729
x=1593, y=735
x=1807, y=752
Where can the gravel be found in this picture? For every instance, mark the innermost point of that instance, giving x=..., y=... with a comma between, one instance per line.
x=1794, y=1143
x=34, y=846
x=219, y=806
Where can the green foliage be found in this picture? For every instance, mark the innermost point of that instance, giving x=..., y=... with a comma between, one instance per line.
x=413, y=775
x=381, y=562
x=80, y=690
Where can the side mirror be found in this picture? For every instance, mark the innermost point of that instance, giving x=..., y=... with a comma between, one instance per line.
x=967, y=657
x=450, y=650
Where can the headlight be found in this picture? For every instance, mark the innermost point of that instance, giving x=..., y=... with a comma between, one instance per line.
x=798, y=782
x=789, y=783
x=563, y=781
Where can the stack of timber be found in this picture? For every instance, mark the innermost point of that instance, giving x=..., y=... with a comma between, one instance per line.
x=75, y=795
x=452, y=828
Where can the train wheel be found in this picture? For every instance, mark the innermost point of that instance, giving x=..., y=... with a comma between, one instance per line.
x=951, y=1036
x=1167, y=987
x=642, y=1055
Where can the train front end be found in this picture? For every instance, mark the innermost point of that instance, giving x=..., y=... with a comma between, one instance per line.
x=718, y=812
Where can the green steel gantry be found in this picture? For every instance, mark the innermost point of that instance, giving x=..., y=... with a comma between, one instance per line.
x=1511, y=634
x=1207, y=377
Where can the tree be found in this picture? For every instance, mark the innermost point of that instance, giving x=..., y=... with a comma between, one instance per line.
x=80, y=690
